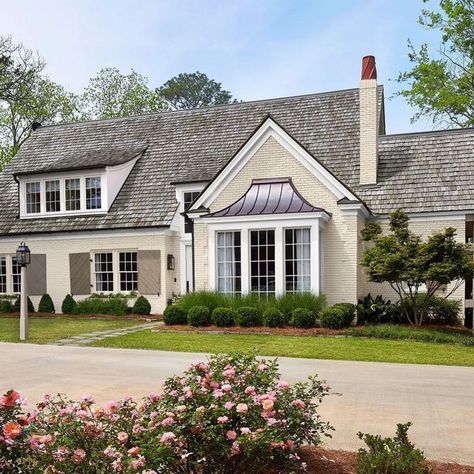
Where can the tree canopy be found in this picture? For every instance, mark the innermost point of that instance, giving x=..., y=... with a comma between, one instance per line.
x=440, y=83
x=188, y=91
x=417, y=270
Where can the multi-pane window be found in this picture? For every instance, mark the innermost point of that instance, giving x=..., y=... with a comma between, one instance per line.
x=189, y=198
x=229, y=274
x=262, y=262
x=297, y=260
x=3, y=275
x=128, y=271
x=16, y=276
x=73, y=194
x=93, y=193
x=104, y=271
x=33, y=197
x=53, y=196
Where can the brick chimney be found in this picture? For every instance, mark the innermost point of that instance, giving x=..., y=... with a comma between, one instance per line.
x=369, y=122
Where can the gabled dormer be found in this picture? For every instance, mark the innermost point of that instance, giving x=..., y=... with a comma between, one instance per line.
x=85, y=184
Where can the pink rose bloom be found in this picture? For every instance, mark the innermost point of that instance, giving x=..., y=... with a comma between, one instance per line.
x=10, y=399
x=267, y=405
x=271, y=422
x=250, y=390
x=188, y=394
x=262, y=367
x=78, y=455
x=135, y=451
x=154, y=397
x=245, y=430
x=242, y=408
x=299, y=403
x=222, y=419
x=214, y=384
x=122, y=437
x=118, y=465
x=218, y=393
x=229, y=405
x=235, y=448
x=230, y=373
x=231, y=434
x=138, y=463
x=87, y=398
x=167, y=421
x=112, y=407
x=167, y=437
x=283, y=385
x=325, y=386
x=227, y=387
x=181, y=408
x=11, y=430
x=110, y=452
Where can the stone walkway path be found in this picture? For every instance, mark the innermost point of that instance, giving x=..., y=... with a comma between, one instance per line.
x=89, y=337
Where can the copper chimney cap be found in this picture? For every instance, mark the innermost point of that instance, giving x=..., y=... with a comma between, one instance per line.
x=369, y=70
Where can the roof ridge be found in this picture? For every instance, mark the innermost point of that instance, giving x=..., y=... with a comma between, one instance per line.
x=200, y=109
x=429, y=132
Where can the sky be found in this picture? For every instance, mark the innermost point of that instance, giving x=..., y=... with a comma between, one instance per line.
x=257, y=49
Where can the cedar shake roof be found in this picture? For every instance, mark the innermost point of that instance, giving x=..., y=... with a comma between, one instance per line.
x=419, y=172
x=268, y=196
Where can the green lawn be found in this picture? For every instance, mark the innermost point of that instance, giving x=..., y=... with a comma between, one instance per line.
x=44, y=330
x=342, y=348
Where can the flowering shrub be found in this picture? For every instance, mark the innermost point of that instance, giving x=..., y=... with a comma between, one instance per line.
x=231, y=415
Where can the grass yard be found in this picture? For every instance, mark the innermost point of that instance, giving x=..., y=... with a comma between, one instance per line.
x=341, y=348
x=44, y=329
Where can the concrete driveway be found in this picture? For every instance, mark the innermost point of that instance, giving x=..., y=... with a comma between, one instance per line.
x=375, y=396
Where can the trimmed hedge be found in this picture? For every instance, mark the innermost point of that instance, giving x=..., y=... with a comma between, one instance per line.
x=93, y=305
x=141, y=306
x=303, y=318
x=338, y=316
x=17, y=303
x=175, y=314
x=223, y=317
x=273, y=318
x=46, y=304
x=248, y=317
x=68, y=305
x=199, y=316
x=6, y=306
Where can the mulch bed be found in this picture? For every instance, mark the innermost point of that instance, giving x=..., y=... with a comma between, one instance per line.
x=328, y=461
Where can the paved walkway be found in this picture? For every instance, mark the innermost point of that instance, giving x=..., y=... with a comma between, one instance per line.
x=84, y=339
x=375, y=396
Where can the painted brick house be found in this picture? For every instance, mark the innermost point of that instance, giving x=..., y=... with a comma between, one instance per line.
x=267, y=197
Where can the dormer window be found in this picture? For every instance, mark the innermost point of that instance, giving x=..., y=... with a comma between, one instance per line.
x=73, y=194
x=33, y=197
x=93, y=193
x=53, y=195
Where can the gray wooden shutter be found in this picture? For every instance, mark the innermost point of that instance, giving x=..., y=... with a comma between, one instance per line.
x=80, y=273
x=37, y=275
x=149, y=272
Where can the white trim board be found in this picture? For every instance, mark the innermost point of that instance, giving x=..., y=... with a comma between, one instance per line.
x=271, y=129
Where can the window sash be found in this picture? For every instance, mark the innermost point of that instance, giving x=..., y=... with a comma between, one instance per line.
x=93, y=193
x=297, y=260
x=262, y=262
x=16, y=276
x=73, y=194
x=33, y=197
x=229, y=271
x=188, y=199
x=128, y=271
x=53, y=195
x=104, y=272
x=3, y=275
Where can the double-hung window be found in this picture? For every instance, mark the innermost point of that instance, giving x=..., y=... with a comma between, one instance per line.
x=93, y=193
x=16, y=276
x=128, y=271
x=229, y=274
x=297, y=260
x=104, y=271
x=53, y=195
x=262, y=262
x=73, y=194
x=33, y=197
x=115, y=271
x=3, y=274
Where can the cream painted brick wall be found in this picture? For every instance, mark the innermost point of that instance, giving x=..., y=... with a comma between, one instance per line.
x=341, y=246
x=368, y=131
x=423, y=228
x=57, y=252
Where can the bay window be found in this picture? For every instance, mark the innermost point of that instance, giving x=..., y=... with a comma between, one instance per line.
x=262, y=262
x=33, y=197
x=297, y=260
x=229, y=275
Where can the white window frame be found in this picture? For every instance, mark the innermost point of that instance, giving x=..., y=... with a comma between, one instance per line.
x=279, y=223
x=9, y=266
x=115, y=269
x=294, y=259
x=5, y=258
x=241, y=258
x=61, y=177
x=265, y=294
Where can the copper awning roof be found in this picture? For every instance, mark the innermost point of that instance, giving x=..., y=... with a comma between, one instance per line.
x=268, y=196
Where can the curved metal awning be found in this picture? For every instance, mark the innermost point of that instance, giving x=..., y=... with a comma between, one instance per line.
x=268, y=196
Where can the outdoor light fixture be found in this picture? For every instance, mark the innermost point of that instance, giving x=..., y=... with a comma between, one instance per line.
x=170, y=261
x=23, y=258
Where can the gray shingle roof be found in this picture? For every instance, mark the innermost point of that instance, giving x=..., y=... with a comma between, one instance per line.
x=420, y=172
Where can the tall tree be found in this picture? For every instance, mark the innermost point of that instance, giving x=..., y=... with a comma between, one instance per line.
x=441, y=84
x=415, y=269
x=112, y=94
x=191, y=90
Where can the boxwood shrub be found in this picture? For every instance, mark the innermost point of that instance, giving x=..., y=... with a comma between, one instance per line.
x=46, y=304
x=141, y=306
x=199, y=316
x=338, y=316
x=68, y=305
x=303, y=318
x=273, y=318
x=6, y=306
x=175, y=314
x=223, y=317
x=16, y=305
x=247, y=316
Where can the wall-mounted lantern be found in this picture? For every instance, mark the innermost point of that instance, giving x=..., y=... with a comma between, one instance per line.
x=170, y=262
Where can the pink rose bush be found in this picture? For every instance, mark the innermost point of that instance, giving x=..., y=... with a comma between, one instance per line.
x=230, y=415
